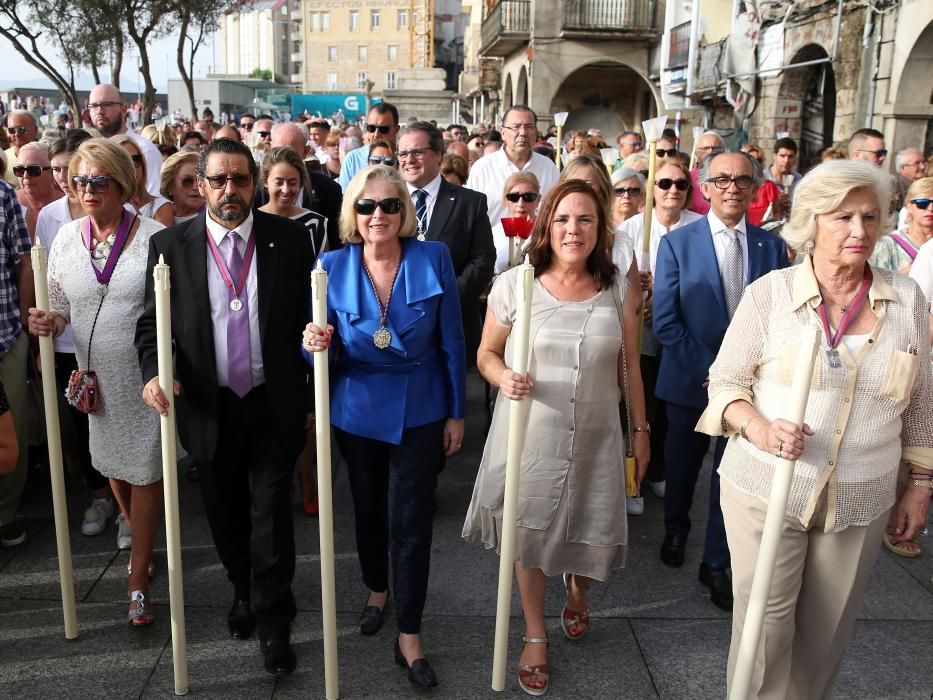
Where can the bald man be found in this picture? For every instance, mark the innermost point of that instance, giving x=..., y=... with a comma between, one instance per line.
x=709, y=143
x=22, y=129
x=459, y=148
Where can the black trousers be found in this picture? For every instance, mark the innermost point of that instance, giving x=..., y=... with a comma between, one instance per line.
x=246, y=497
x=393, y=499
x=65, y=363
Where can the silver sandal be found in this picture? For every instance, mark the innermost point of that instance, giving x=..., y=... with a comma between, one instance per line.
x=528, y=672
x=142, y=614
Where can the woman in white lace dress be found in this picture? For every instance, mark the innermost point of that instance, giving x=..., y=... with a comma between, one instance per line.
x=124, y=432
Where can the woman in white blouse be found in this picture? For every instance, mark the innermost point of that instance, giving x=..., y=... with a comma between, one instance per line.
x=870, y=408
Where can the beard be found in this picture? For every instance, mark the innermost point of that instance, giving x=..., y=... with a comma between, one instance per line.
x=109, y=129
x=238, y=214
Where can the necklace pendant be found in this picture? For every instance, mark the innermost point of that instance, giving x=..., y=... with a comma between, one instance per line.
x=832, y=354
x=102, y=290
x=421, y=237
x=236, y=304
x=382, y=338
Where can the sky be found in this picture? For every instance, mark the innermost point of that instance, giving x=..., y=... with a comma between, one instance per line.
x=161, y=55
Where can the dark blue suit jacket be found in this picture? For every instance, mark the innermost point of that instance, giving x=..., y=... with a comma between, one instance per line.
x=689, y=307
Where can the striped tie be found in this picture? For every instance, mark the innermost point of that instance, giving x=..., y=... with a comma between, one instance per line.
x=732, y=273
x=421, y=212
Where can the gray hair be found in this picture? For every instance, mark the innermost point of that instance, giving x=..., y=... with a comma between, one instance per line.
x=757, y=174
x=626, y=174
x=719, y=138
x=41, y=148
x=435, y=136
x=23, y=113
x=823, y=189
x=900, y=160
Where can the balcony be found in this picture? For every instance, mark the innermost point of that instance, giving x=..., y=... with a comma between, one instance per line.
x=506, y=28
x=709, y=70
x=296, y=56
x=609, y=18
x=680, y=46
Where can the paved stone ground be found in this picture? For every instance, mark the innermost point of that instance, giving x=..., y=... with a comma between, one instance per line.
x=655, y=633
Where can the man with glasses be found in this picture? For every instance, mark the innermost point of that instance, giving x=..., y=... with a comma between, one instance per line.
x=22, y=129
x=451, y=214
x=708, y=144
x=246, y=125
x=489, y=173
x=108, y=115
x=629, y=142
x=702, y=270
x=263, y=130
x=240, y=290
x=911, y=166
x=381, y=123
x=868, y=145
x=37, y=186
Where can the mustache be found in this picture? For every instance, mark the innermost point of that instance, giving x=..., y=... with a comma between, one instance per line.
x=231, y=199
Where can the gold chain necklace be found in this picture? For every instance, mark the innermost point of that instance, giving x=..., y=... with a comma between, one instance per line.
x=382, y=338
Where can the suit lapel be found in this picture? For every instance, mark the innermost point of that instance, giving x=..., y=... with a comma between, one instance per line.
x=446, y=198
x=194, y=272
x=267, y=255
x=709, y=265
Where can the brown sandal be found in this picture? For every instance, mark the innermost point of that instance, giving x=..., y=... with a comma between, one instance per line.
x=573, y=618
x=528, y=673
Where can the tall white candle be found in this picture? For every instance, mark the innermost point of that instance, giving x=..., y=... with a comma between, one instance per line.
x=516, y=442
x=54, y=437
x=163, y=303
x=324, y=488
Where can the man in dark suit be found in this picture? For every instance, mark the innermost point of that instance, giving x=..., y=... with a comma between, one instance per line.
x=702, y=269
x=240, y=295
x=453, y=215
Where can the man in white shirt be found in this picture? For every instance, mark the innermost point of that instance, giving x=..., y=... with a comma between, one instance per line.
x=489, y=173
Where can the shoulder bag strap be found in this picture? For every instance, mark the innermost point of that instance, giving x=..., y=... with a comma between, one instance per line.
x=623, y=363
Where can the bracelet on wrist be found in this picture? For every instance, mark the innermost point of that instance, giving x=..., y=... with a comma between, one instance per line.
x=646, y=428
x=922, y=483
x=745, y=426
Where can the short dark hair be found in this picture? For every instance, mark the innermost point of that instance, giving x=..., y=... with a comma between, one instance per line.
x=786, y=143
x=72, y=139
x=520, y=108
x=206, y=112
x=194, y=135
x=435, y=136
x=386, y=108
x=669, y=134
x=231, y=148
x=866, y=133
x=493, y=136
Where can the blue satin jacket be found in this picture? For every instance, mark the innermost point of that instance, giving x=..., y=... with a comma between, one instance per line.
x=421, y=377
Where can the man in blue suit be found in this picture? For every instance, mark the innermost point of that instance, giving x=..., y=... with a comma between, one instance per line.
x=702, y=269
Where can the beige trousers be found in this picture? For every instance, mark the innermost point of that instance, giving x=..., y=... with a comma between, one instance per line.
x=819, y=582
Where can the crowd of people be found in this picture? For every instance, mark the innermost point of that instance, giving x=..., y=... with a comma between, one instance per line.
x=646, y=350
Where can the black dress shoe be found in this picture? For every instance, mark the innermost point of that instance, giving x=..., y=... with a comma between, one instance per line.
x=240, y=620
x=672, y=550
x=371, y=620
x=420, y=672
x=719, y=584
x=277, y=656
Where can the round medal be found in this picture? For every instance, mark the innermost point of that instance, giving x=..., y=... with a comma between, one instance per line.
x=382, y=338
x=236, y=304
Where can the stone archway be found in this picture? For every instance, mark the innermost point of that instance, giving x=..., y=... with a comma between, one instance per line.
x=507, y=97
x=806, y=105
x=521, y=88
x=914, y=106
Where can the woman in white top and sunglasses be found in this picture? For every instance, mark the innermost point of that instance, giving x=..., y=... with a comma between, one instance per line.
x=521, y=195
x=899, y=249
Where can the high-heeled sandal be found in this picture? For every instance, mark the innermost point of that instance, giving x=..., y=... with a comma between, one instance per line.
x=527, y=672
x=573, y=618
x=142, y=614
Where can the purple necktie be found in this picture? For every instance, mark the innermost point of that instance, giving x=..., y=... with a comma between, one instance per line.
x=239, y=368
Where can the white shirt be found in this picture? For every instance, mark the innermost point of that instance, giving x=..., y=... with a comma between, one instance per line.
x=217, y=290
x=489, y=173
x=721, y=240
x=632, y=231
x=432, y=188
x=51, y=218
x=153, y=162
x=922, y=269
x=147, y=210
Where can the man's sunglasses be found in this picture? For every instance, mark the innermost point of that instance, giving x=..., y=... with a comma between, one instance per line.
x=219, y=182
x=381, y=128
x=264, y=134
x=630, y=191
x=94, y=185
x=528, y=197
x=880, y=153
x=247, y=126
x=919, y=203
x=389, y=205
x=666, y=152
x=382, y=160
x=665, y=183
x=20, y=130
x=30, y=170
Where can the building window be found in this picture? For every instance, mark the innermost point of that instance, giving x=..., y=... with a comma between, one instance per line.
x=361, y=79
x=374, y=19
x=325, y=21
x=354, y=20
x=315, y=21
x=331, y=81
x=391, y=80
x=402, y=17
x=361, y=54
x=392, y=53
x=331, y=54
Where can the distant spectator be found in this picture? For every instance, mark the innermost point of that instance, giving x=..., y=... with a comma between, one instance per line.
x=179, y=185
x=911, y=166
x=781, y=171
x=837, y=151
x=868, y=145
x=159, y=136
x=22, y=128
x=629, y=142
x=194, y=138
x=228, y=131
x=454, y=169
x=459, y=148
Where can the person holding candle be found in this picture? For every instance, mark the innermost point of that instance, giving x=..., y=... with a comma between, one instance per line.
x=521, y=197
x=572, y=485
x=898, y=250
x=179, y=185
x=38, y=188
x=394, y=323
x=145, y=204
x=96, y=276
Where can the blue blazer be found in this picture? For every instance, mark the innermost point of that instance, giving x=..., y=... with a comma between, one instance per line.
x=421, y=377
x=689, y=306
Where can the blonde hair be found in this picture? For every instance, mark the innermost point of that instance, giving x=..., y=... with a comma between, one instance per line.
x=113, y=159
x=823, y=189
x=122, y=140
x=164, y=137
x=170, y=170
x=636, y=161
x=919, y=189
x=522, y=176
x=348, y=231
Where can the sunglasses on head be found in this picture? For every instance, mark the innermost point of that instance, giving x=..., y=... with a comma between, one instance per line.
x=95, y=185
x=381, y=128
x=666, y=152
x=665, y=183
x=921, y=203
x=630, y=191
x=528, y=197
x=389, y=205
x=30, y=170
x=382, y=160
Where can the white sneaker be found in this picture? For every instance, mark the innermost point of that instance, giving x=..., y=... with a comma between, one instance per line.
x=658, y=488
x=124, y=537
x=634, y=505
x=96, y=516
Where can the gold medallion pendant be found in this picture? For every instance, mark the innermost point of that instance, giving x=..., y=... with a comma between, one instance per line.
x=382, y=338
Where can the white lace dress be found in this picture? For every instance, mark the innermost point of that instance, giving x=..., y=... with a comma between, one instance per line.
x=124, y=432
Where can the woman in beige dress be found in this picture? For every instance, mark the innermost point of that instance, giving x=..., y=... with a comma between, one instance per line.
x=571, y=512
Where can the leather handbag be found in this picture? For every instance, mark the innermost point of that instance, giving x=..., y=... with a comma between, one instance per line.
x=83, y=390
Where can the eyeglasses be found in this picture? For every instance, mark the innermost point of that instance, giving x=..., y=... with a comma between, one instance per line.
x=188, y=182
x=414, y=153
x=528, y=197
x=880, y=153
x=94, y=185
x=19, y=130
x=382, y=160
x=97, y=106
x=709, y=149
x=389, y=205
x=665, y=183
x=381, y=128
x=248, y=126
x=631, y=192
x=743, y=182
x=30, y=170
x=915, y=164
x=633, y=144
x=921, y=203
x=264, y=134
x=520, y=127
x=219, y=182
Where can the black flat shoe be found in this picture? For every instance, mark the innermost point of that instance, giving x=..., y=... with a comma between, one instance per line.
x=371, y=620
x=719, y=584
x=240, y=620
x=420, y=672
x=277, y=656
x=672, y=550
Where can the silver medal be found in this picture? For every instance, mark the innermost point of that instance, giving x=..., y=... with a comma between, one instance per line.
x=102, y=290
x=236, y=304
x=832, y=355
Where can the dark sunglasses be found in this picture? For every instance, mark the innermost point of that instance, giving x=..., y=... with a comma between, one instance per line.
x=665, y=183
x=528, y=197
x=95, y=185
x=21, y=130
x=389, y=205
x=921, y=203
x=219, y=182
x=247, y=126
x=381, y=128
x=382, y=160
x=630, y=191
x=30, y=170
x=188, y=182
x=880, y=153
x=264, y=134
x=666, y=152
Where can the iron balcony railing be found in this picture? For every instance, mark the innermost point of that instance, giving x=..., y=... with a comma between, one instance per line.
x=680, y=46
x=506, y=26
x=609, y=16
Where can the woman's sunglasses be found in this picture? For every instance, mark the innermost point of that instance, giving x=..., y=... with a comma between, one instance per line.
x=95, y=185
x=528, y=197
x=665, y=183
x=666, y=152
x=630, y=191
x=382, y=160
x=390, y=205
x=921, y=203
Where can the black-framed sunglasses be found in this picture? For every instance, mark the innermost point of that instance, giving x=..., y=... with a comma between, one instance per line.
x=880, y=153
x=665, y=183
x=389, y=205
x=381, y=128
x=219, y=182
x=94, y=185
x=19, y=130
x=921, y=203
x=527, y=197
x=30, y=170
x=383, y=160
x=667, y=152
x=723, y=182
x=247, y=126
x=264, y=134
x=627, y=192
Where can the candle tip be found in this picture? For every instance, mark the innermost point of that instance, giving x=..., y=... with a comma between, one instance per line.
x=320, y=264
x=161, y=259
x=38, y=242
x=526, y=260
